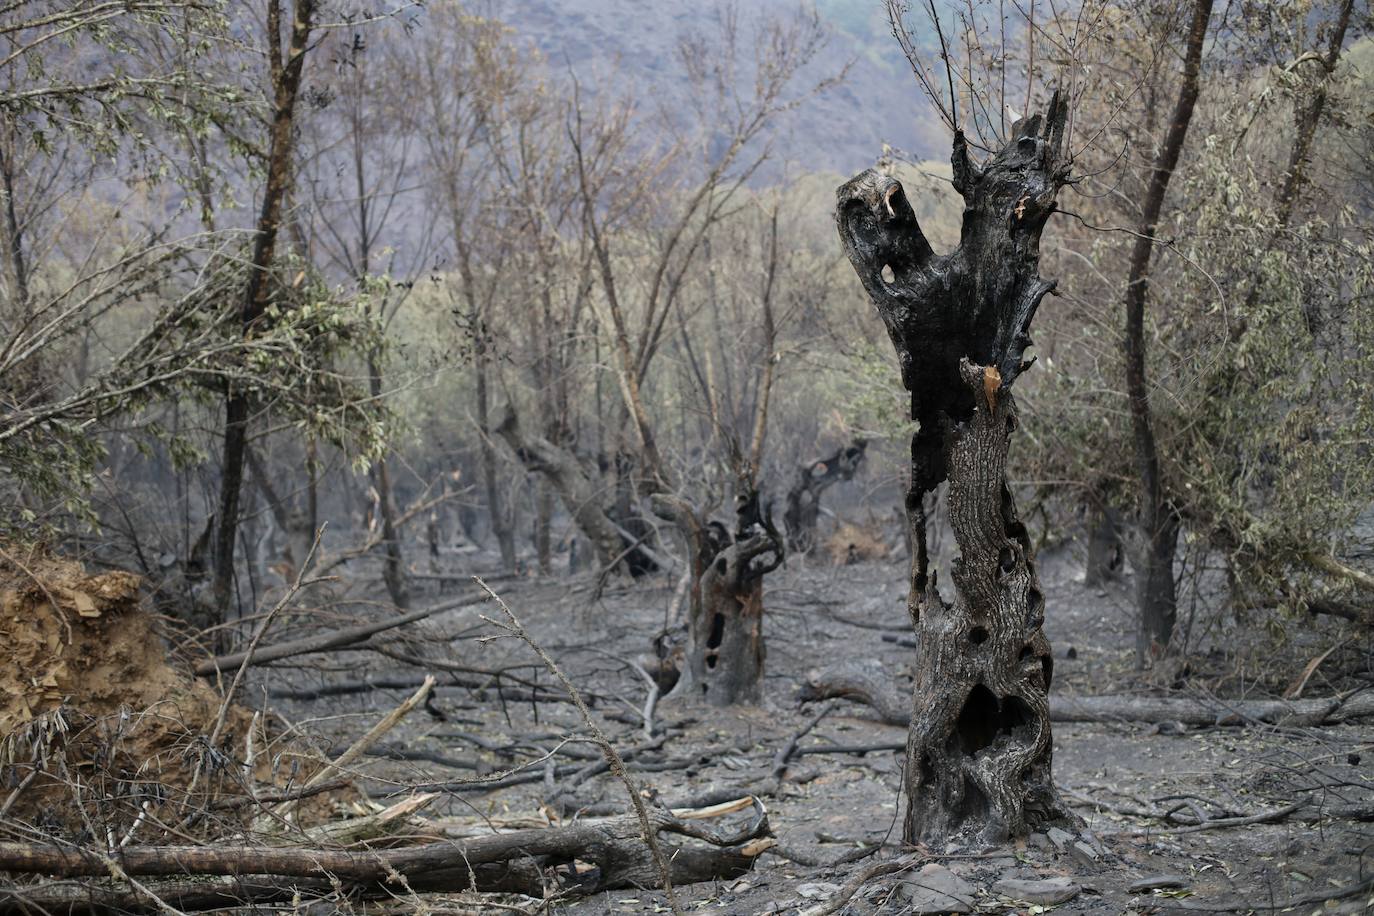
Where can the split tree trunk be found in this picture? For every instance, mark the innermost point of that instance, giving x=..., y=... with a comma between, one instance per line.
x=979, y=748
x=804, y=499
x=581, y=494
x=725, y=649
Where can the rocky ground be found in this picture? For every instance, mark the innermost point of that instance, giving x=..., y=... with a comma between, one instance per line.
x=1286, y=809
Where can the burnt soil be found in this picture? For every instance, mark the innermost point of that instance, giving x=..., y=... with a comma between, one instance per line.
x=830, y=804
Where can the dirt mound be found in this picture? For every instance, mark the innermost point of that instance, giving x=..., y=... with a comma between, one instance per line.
x=854, y=543
x=87, y=695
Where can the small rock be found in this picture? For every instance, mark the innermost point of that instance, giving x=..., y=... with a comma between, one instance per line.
x=1049, y=892
x=1039, y=841
x=936, y=889
x=1157, y=882
x=818, y=890
x=1060, y=838
x=1084, y=853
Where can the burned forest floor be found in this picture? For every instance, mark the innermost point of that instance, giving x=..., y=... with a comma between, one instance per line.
x=1236, y=816
x=1222, y=819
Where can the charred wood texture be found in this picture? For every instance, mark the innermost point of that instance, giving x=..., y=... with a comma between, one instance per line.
x=725, y=650
x=979, y=747
x=804, y=499
x=524, y=861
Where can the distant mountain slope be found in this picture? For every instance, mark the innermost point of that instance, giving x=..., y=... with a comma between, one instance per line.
x=635, y=42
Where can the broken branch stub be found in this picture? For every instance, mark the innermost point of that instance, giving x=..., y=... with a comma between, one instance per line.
x=979, y=749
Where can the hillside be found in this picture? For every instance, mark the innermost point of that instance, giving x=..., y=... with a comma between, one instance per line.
x=634, y=44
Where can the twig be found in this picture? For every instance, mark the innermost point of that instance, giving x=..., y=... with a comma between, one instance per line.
x=346, y=637
x=1216, y=823
x=785, y=753
x=1340, y=893
x=856, y=884
x=516, y=628
x=359, y=747
x=260, y=632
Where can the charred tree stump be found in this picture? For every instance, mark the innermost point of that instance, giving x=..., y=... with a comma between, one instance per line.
x=725, y=650
x=804, y=499
x=979, y=748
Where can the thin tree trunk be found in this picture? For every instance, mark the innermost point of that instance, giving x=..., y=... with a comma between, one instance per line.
x=581, y=494
x=1157, y=599
x=1308, y=117
x=501, y=526
x=1105, y=550
x=543, y=522
x=393, y=565
x=286, y=79
x=14, y=232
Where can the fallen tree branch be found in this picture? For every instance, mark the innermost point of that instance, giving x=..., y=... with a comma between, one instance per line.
x=861, y=684
x=1334, y=567
x=615, y=846
x=616, y=764
x=326, y=641
x=858, y=882
x=361, y=746
x=1215, y=823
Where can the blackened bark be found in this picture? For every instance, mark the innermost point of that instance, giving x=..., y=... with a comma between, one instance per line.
x=804, y=499
x=979, y=749
x=286, y=76
x=725, y=648
x=1157, y=599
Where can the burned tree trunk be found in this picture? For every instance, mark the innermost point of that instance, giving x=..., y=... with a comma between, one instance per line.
x=804, y=499
x=725, y=651
x=979, y=748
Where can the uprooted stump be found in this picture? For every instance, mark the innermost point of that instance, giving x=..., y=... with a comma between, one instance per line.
x=583, y=858
x=97, y=725
x=979, y=749
x=725, y=650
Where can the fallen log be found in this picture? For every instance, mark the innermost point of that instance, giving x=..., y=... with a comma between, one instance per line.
x=325, y=641
x=870, y=686
x=517, y=860
x=515, y=694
